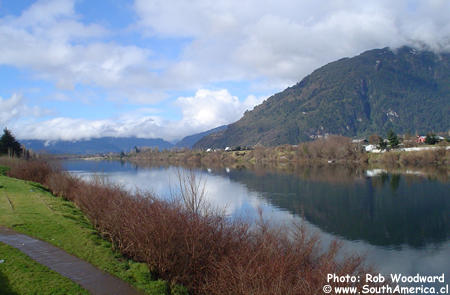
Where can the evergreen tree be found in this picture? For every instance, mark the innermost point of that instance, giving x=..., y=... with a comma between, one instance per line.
x=392, y=139
x=431, y=139
x=9, y=145
x=382, y=144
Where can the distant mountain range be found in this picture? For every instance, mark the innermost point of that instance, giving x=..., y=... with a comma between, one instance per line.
x=189, y=141
x=94, y=145
x=104, y=145
x=405, y=90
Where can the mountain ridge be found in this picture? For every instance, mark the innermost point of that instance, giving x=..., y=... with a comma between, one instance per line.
x=190, y=140
x=94, y=145
x=406, y=90
x=103, y=145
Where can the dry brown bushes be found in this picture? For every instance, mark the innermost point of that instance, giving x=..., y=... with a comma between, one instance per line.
x=336, y=148
x=437, y=157
x=203, y=250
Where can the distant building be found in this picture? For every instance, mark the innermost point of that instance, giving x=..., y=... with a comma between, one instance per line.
x=370, y=147
x=420, y=139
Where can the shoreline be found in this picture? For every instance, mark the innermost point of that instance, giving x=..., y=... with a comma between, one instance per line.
x=191, y=243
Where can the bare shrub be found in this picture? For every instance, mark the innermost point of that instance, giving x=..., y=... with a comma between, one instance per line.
x=338, y=148
x=32, y=170
x=278, y=261
x=423, y=158
x=61, y=182
x=192, y=191
x=390, y=158
x=207, y=253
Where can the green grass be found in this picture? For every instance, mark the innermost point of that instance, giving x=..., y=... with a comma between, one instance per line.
x=3, y=170
x=28, y=208
x=19, y=274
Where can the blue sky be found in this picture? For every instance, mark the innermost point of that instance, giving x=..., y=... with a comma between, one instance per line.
x=73, y=69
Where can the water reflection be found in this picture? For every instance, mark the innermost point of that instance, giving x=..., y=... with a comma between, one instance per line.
x=401, y=221
x=383, y=210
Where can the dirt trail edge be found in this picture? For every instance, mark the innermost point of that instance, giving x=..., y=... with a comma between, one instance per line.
x=79, y=271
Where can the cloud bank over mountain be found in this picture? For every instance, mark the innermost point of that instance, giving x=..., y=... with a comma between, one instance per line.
x=186, y=60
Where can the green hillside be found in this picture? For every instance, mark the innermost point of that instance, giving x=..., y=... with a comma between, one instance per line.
x=406, y=90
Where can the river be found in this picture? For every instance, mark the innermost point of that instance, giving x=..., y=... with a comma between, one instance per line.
x=400, y=222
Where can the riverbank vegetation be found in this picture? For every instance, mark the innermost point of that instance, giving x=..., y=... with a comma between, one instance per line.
x=29, y=208
x=336, y=148
x=197, y=246
x=323, y=151
x=436, y=157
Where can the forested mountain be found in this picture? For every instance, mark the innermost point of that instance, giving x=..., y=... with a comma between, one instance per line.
x=406, y=90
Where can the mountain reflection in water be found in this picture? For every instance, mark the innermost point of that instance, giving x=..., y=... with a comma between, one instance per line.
x=401, y=221
x=386, y=209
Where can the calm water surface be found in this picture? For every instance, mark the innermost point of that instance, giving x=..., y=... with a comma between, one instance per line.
x=399, y=221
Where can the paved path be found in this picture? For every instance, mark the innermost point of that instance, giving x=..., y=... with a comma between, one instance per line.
x=79, y=271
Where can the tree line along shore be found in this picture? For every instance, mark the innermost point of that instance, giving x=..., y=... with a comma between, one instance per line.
x=330, y=150
x=405, y=151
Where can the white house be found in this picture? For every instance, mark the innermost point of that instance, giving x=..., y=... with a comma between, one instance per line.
x=371, y=148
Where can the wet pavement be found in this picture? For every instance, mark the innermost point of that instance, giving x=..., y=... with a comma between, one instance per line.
x=79, y=271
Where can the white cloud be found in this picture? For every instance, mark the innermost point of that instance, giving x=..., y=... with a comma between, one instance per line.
x=208, y=109
x=63, y=128
x=50, y=40
x=285, y=40
x=268, y=45
x=13, y=108
x=205, y=110
x=275, y=43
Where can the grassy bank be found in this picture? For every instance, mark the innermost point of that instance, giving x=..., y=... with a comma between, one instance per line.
x=29, y=208
x=19, y=274
x=188, y=243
